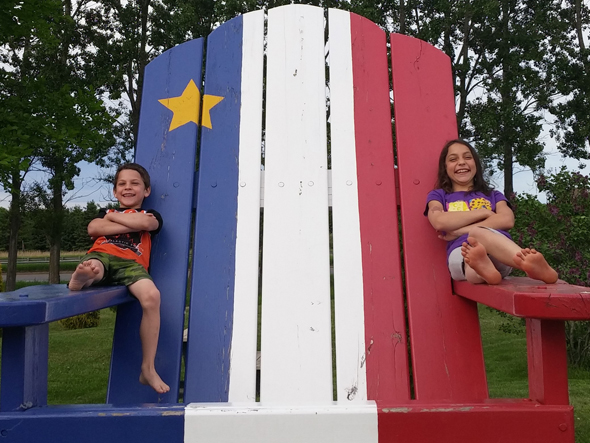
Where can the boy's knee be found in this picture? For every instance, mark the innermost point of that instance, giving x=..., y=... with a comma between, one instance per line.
x=150, y=298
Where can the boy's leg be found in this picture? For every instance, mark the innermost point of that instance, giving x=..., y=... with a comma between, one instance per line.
x=86, y=274
x=149, y=297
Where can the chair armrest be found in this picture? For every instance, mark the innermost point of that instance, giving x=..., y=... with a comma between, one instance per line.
x=35, y=305
x=525, y=297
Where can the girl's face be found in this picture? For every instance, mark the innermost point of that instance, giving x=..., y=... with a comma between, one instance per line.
x=461, y=167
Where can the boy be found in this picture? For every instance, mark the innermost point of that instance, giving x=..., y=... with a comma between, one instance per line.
x=120, y=256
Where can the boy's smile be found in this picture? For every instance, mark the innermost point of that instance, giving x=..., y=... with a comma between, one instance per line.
x=130, y=189
x=461, y=167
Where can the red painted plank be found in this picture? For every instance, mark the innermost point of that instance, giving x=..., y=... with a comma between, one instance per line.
x=547, y=361
x=491, y=422
x=444, y=329
x=385, y=328
x=524, y=297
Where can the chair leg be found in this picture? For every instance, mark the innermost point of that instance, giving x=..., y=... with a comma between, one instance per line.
x=547, y=361
x=24, y=367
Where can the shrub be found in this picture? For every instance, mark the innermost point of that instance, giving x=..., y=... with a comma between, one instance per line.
x=560, y=229
x=82, y=321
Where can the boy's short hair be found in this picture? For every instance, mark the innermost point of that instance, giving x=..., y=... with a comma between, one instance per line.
x=145, y=176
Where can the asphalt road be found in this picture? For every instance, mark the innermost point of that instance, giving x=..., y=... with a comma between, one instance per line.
x=37, y=276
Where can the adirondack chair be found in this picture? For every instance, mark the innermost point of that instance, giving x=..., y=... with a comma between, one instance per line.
x=399, y=361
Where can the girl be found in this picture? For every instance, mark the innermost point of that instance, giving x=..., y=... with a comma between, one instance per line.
x=473, y=219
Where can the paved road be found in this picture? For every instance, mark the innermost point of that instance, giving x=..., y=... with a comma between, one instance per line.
x=38, y=276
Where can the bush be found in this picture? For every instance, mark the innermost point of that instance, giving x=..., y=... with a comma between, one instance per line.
x=82, y=321
x=560, y=230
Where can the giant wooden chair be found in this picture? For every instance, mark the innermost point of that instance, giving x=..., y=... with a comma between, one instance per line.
x=357, y=341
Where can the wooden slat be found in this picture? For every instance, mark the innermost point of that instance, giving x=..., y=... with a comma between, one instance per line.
x=362, y=123
x=525, y=297
x=245, y=330
x=348, y=276
x=296, y=330
x=445, y=336
x=169, y=157
x=213, y=272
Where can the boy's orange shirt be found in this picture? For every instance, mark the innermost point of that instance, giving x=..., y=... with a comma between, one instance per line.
x=133, y=245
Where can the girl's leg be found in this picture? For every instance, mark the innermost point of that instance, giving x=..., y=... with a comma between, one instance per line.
x=478, y=266
x=149, y=330
x=505, y=250
x=86, y=274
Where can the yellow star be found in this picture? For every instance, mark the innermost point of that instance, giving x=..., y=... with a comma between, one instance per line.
x=186, y=107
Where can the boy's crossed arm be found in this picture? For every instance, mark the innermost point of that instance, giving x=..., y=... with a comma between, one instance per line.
x=115, y=223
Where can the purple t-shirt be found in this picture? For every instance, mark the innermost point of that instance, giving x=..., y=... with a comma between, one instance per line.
x=465, y=201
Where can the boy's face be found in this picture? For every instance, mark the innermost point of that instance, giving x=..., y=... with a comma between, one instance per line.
x=130, y=189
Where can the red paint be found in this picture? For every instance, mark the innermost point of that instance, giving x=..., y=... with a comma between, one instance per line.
x=447, y=356
x=385, y=328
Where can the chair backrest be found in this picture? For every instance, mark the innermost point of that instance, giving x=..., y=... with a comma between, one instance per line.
x=305, y=96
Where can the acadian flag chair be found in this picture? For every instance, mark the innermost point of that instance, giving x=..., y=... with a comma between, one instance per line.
x=294, y=116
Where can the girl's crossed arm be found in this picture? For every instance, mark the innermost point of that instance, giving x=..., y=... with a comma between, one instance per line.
x=502, y=219
x=451, y=221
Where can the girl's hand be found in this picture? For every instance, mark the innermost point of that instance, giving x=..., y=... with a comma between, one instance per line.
x=448, y=236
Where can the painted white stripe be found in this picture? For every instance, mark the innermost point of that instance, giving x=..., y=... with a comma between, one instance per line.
x=245, y=326
x=348, y=278
x=262, y=423
x=296, y=363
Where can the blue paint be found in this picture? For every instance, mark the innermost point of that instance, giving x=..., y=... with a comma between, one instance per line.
x=170, y=158
x=211, y=313
x=94, y=424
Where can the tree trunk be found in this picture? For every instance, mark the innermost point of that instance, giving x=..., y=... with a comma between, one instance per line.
x=14, y=218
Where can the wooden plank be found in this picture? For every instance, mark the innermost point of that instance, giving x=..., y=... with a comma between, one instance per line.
x=296, y=331
x=245, y=331
x=282, y=423
x=24, y=367
x=525, y=297
x=547, y=361
x=490, y=422
x=349, y=308
x=444, y=329
x=96, y=423
x=169, y=156
x=34, y=305
x=361, y=123
x=213, y=272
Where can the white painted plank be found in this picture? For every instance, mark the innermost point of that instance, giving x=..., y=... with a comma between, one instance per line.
x=242, y=385
x=262, y=423
x=348, y=278
x=296, y=330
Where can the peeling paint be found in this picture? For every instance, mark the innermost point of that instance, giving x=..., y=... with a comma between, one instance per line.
x=461, y=409
x=397, y=410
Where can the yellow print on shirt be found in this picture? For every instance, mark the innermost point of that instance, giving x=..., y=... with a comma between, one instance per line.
x=476, y=203
x=458, y=206
x=480, y=203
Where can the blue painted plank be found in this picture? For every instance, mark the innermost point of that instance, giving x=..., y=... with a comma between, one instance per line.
x=211, y=312
x=24, y=367
x=94, y=424
x=35, y=305
x=169, y=155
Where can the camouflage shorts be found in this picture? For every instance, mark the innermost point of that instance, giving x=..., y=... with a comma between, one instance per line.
x=117, y=270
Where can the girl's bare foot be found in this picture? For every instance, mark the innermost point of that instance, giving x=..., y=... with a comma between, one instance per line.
x=476, y=256
x=83, y=276
x=535, y=265
x=151, y=378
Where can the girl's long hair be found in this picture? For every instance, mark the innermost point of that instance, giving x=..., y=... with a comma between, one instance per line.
x=443, y=180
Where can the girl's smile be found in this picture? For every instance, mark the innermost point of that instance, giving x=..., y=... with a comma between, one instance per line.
x=460, y=167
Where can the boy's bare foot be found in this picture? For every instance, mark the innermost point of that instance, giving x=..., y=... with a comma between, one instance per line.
x=84, y=274
x=535, y=265
x=476, y=256
x=151, y=378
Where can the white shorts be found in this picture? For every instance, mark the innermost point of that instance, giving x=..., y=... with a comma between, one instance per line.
x=457, y=265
